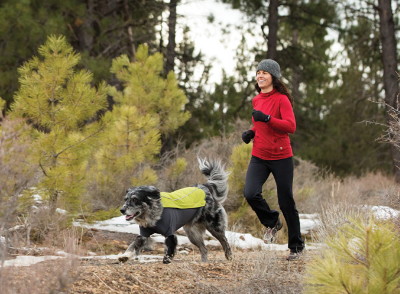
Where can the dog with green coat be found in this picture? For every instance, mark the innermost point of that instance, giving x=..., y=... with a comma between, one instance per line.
x=196, y=209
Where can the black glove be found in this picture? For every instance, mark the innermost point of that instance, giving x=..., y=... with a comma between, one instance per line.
x=247, y=136
x=260, y=116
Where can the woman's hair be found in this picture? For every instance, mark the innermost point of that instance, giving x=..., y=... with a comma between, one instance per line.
x=280, y=87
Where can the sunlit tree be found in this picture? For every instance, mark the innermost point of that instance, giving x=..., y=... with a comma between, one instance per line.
x=60, y=104
x=147, y=107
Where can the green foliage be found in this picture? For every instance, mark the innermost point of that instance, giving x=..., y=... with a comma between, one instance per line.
x=344, y=138
x=106, y=30
x=26, y=200
x=58, y=102
x=147, y=107
x=239, y=162
x=145, y=89
x=174, y=172
x=241, y=215
x=347, y=143
x=240, y=158
x=100, y=31
x=25, y=25
x=2, y=104
x=128, y=133
x=362, y=257
x=176, y=168
x=147, y=176
x=101, y=215
x=54, y=95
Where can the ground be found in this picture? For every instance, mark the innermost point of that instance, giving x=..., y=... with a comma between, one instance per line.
x=250, y=271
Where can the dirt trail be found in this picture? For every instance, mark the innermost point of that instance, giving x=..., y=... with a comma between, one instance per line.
x=249, y=272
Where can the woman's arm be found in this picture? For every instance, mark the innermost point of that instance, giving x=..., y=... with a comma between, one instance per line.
x=287, y=123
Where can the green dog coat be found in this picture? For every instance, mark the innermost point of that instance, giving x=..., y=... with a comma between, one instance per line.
x=191, y=197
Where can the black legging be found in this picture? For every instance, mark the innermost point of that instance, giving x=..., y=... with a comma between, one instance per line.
x=282, y=170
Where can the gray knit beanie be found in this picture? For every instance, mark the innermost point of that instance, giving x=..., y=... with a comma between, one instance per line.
x=270, y=66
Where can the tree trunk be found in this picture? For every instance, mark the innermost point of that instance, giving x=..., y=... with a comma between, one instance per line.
x=272, y=28
x=390, y=72
x=169, y=65
x=170, y=61
x=296, y=76
x=129, y=31
x=83, y=29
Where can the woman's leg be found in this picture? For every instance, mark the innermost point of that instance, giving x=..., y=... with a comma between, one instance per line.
x=257, y=174
x=283, y=174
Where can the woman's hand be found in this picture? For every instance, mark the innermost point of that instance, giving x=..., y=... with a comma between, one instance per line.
x=247, y=136
x=260, y=116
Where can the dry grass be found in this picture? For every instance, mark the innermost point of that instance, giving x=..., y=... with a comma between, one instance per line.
x=16, y=174
x=248, y=272
x=313, y=191
x=270, y=274
x=45, y=277
x=392, y=133
x=219, y=148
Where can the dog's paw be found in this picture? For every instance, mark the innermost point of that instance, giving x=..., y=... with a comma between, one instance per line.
x=123, y=258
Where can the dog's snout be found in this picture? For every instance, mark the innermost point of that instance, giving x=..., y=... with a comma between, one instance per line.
x=123, y=209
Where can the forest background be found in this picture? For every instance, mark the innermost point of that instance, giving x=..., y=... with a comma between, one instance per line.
x=99, y=95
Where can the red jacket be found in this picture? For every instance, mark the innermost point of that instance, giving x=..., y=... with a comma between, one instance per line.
x=271, y=141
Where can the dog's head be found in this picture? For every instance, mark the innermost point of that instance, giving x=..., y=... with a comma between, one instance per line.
x=139, y=201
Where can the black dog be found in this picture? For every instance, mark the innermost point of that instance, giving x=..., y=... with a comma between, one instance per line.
x=144, y=204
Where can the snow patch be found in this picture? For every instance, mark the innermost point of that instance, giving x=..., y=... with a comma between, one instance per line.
x=382, y=212
x=24, y=260
x=309, y=222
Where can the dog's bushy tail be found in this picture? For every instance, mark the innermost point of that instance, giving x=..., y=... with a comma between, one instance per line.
x=217, y=181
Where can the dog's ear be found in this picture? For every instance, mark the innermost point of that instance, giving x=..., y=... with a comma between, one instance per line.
x=130, y=190
x=152, y=192
x=152, y=189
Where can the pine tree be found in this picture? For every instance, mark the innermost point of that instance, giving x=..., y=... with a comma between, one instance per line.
x=59, y=102
x=147, y=107
x=341, y=140
x=145, y=89
x=363, y=257
x=2, y=105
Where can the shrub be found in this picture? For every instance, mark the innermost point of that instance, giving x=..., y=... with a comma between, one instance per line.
x=363, y=256
x=174, y=173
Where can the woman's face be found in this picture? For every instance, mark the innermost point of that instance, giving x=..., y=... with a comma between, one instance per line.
x=264, y=81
